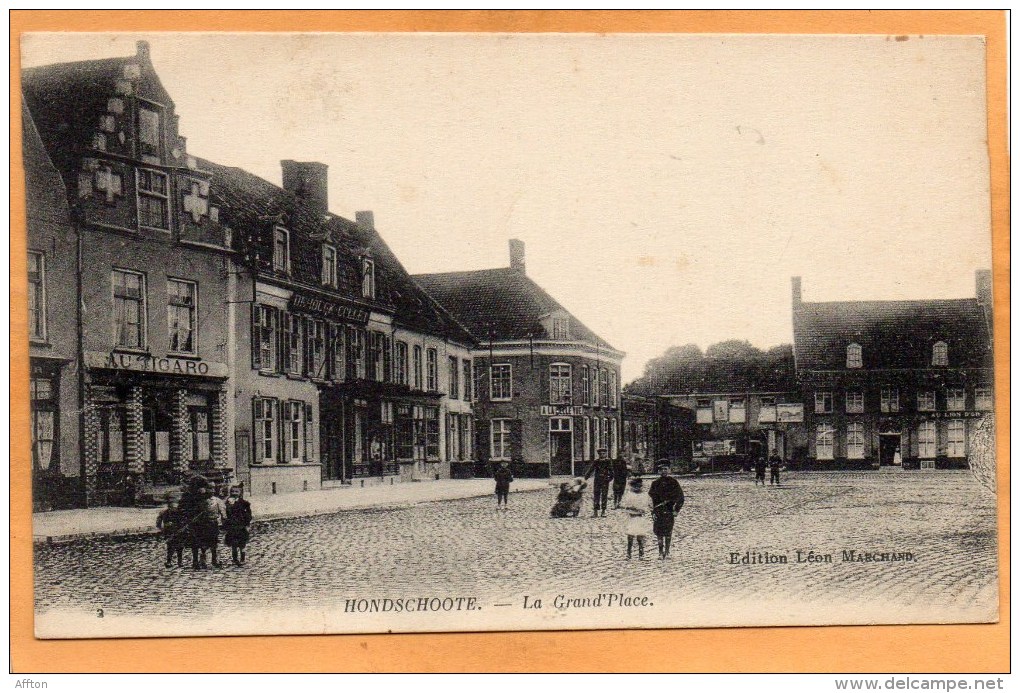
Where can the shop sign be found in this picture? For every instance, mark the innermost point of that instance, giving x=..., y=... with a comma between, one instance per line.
x=143, y=363
x=326, y=308
x=790, y=413
x=957, y=415
x=711, y=448
x=561, y=410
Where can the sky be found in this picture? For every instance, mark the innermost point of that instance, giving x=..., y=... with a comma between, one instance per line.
x=667, y=187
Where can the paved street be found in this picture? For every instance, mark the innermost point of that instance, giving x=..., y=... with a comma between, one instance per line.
x=466, y=547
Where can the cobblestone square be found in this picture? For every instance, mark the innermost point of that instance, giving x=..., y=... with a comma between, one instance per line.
x=929, y=539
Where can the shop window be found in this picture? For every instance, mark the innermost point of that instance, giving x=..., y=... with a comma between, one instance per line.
x=824, y=442
x=890, y=400
x=404, y=431
x=432, y=369
x=43, y=393
x=560, y=383
x=956, y=399
x=500, y=440
x=854, y=402
x=957, y=438
x=500, y=382
x=926, y=400
x=926, y=440
x=265, y=416
x=281, y=250
x=153, y=199
x=182, y=304
x=432, y=433
x=329, y=274
x=129, y=309
x=823, y=402
x=940, y=354
x=454, y=376
x=853, y=356
x=855, y=441
x=36, y=296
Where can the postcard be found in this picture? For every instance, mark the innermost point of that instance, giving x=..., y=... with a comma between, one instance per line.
x=394, y=333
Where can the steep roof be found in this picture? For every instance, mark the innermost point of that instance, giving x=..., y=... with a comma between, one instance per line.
x=252, y=206
x=892, y=334
x=503, y=302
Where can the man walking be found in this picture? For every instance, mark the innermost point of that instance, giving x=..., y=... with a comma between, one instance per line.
x=774, y=466
x=620, y=473
x=667, y=499
x=602, y=473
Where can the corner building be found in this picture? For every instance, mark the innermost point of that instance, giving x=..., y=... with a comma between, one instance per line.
x=894, y=384
x=546, y=387
x=154, y=267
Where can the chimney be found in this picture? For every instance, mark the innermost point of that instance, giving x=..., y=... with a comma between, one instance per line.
x=307, y=180
x=795, y=282
x=365, y=219
x=142, y=50
x=517, y=255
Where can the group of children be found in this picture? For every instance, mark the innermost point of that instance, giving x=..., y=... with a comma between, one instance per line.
x=194, y=521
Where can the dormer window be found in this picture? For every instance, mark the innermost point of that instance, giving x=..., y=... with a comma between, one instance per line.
x=561, y=328
x=853, y=356
x=367, y=278
x=281, y=250
x=329, y=275
x=940, y=354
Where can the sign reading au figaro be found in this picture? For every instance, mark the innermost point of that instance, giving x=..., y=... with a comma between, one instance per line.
x=142, y=363
x=328, y=309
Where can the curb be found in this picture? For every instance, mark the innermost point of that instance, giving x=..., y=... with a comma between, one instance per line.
x=57, y=539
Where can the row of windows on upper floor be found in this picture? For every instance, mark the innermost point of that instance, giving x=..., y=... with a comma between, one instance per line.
x=130, y=310
x=889, y=400
x=598, y=385
x=939, y=355
x=596, y=433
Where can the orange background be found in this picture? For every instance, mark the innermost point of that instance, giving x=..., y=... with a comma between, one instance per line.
x=963, y=648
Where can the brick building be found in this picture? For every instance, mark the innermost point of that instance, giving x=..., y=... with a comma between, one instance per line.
x=546, y=386
x=894, y=383
x=154, y=267
x=346, y=371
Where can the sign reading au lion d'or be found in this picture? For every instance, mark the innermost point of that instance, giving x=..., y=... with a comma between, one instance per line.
x=143, y=363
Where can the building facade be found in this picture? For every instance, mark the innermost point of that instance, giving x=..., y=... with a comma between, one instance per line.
x=546, y=388
x=153, y=266
x=894, y=383
x=344, y=371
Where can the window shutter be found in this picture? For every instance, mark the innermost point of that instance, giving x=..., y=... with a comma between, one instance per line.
x=255, y=337
x=310, y=435
x=256, y=425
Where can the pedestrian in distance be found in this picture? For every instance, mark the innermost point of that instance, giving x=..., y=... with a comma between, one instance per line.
x=238, y=519
x=775, y=464
x=503, y=477
x=621, y=470
x=170, y=523
x=601, y=473
x=638, y=506
x=667, y=499
x=759, y=470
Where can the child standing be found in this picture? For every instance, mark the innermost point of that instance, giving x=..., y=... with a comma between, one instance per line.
x=170, y=524
x=503, y=477
x=638, y=506
x=236, y=524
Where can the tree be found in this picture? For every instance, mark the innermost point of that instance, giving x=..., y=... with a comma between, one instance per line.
x=729, y=366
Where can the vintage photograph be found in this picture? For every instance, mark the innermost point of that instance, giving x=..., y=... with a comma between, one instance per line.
x=368, y=333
